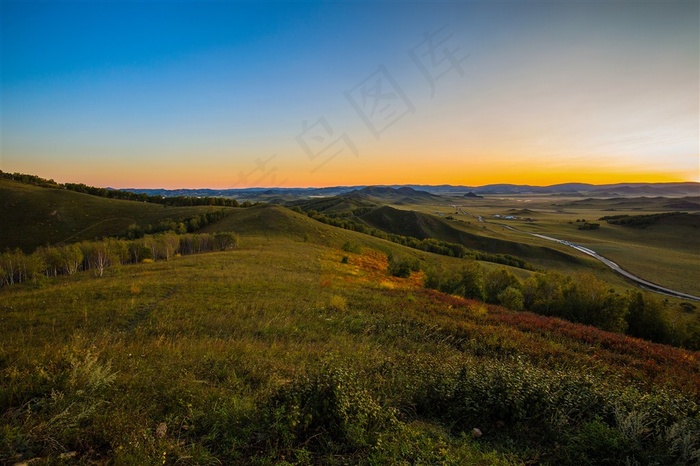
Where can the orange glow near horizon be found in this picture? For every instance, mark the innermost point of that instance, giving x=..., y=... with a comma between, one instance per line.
x=351, y=174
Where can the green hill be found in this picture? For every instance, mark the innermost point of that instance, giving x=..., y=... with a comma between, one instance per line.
x=420, y=225
x=270, y=220
x=399, y=196
x=337, y=204
x=34, y=216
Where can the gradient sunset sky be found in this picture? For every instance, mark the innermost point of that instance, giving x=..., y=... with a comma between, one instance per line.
x=229, y=94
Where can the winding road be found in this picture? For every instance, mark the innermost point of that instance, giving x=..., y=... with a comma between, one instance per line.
x=615, y=267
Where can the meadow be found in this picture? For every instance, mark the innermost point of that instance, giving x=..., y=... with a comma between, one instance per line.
x=664, y=253
x=281, y=352
x=305, y=343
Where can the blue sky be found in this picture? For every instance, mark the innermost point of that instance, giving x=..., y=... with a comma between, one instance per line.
x=178, y=94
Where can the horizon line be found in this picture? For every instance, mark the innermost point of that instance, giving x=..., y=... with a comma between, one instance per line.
x=420, y=185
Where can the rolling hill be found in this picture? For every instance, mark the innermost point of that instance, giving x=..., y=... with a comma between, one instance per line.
x=570, y=189
x=35, y=216
x=421, y=226
x=387, y=195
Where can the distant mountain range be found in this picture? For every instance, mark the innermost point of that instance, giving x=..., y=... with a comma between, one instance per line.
x=582, y=189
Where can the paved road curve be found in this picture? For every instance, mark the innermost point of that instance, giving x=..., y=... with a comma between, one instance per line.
x=612, y=265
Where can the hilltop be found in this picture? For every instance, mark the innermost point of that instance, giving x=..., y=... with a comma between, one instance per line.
x=402, y=195
x=422, y=226
x=34, y=216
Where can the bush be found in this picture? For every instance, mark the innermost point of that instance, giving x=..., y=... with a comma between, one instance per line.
x=467, y=282
x=498, y=280
x=646, y=318
x=402, y=267
x=326, y=413
x=226, y=240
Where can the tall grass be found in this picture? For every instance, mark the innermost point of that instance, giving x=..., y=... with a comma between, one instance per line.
x=277, y=353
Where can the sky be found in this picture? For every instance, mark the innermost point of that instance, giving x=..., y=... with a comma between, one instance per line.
x=231, y=95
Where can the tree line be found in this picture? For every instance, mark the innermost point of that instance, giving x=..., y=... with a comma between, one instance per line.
x=51, y=261
x=126, y=195
x=188, y=225
x=433, y=245
x=639, y=221
x=580, y=298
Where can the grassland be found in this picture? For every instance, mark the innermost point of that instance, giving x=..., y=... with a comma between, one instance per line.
x=35, y=216
x=279, y=353
x=664, y=253
x=298, y=347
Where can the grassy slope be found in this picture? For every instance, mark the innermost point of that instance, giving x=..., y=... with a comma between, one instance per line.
x=421, y=225
x=33, y=216
x=416, y=219
x=201, y=343
x=664, y=253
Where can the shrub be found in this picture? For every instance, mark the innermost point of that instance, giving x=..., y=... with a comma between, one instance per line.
x=498, y=280
x=402, y=267
x=226, y=240
x=467, y=282
x=326, y=413
x=646, y=318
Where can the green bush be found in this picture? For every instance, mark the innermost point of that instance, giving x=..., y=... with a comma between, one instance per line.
x=596, y=420
x=327, y=413
x=467, y=282
x=496, y=281
x=402, y=267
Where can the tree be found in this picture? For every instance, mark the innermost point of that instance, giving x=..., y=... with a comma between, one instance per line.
x=33, y=266
x=134, y=231
x=168, y=244
x=119, y=251
x=646, y=318
x=52, y=259
x=498, y=280
x=11, y=264
x=590, y=301
x=470, y=282
x=71, y=258
x=542, y=293
x=97, y=254
x=512, y=298
x=226, y=240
